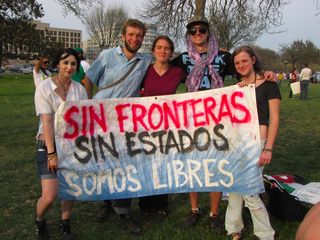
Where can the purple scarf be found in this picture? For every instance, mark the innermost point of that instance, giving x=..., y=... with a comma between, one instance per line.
x=195, y=76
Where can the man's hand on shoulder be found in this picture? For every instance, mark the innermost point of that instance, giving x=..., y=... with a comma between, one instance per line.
x=270, y=76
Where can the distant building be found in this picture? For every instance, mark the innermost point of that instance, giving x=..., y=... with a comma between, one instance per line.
x=91, y=49
x=70, y=37
x=150, y=36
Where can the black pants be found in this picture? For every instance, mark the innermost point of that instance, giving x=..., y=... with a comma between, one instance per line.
x=154, y=203
x=120, y=206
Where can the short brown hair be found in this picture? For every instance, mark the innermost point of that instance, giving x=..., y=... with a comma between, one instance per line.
x=163, y=37
x=133, y=23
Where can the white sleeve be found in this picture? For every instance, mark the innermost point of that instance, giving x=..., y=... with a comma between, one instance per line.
x=41, y=99
x=85, y=66
x=37, y=77
x=84, y=95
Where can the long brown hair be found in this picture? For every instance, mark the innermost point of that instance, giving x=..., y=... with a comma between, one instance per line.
x=256, y=66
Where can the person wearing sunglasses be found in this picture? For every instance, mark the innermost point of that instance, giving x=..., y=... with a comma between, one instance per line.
x=40, y=70
x=206, y=67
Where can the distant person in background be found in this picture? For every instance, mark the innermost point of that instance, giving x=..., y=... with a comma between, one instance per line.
x=79, y=76
x=280, y=78
x=293, y=78
x=49, y=95
x=309, y=229
x=161, y=79
x=305, y=76
x=40, y=70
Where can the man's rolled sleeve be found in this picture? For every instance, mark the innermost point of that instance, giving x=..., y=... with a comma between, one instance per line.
x=96, y=70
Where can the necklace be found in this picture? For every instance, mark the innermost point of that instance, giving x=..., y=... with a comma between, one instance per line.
x=64, y=87
x=250, y=81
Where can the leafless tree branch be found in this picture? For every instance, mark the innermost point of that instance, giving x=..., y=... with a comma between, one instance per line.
x=77, y=7
x=234, y=21
x=104, y=24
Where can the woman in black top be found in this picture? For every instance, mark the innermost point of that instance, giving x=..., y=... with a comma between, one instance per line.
x=268, y=104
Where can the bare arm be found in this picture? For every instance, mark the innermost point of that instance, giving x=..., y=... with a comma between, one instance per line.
x=309, y=228
x=48, y=130
x=88, y=85
x=274, y=109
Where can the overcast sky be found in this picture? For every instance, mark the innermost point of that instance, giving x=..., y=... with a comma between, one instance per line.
x=300, y=22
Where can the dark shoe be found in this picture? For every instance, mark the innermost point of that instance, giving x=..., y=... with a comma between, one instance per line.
x=104, y=212
x=130, y=225
x=215, y=223
x=66, y=231
x=162, y=213
x=191, y=220
x=42, y=231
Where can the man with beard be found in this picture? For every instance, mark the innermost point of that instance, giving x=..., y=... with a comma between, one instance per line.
x=118, y=73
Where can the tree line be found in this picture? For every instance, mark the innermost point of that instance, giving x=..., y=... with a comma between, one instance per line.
x=233, y=22
x=18, y=32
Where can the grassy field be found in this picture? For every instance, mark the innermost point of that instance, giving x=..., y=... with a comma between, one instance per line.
x=296, y=151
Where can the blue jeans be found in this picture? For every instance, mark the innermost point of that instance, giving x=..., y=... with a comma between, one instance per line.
x=304, y=87
x=42, y=164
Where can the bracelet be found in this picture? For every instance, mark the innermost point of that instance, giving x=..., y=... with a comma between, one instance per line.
x=52, y=156
x=52, y=153
x=267, y=149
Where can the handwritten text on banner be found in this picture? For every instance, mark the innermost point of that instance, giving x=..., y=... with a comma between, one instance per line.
x=123, y=148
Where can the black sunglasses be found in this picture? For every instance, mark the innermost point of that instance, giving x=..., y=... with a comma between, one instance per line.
x=193, y=31
x=45, y=62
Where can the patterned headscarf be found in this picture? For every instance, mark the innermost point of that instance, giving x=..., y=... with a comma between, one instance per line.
x=195, y=77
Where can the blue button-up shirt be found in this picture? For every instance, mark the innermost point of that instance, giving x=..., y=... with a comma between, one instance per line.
x=110, y=66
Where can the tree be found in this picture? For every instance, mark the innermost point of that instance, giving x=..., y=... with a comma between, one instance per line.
x=237, y=23
x=230, y=18
x=78, y=7
x=269, y=59
x=300, y=52
x=15, y=19
x=104, y=25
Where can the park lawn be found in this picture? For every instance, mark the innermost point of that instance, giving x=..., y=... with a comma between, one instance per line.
x=296, y=151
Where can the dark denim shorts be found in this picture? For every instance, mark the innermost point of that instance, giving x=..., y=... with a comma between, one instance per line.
x=42, y=162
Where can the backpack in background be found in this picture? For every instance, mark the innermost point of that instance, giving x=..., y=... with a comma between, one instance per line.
x=282, y=204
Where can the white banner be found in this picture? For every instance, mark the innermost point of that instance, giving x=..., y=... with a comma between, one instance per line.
x=122, y=148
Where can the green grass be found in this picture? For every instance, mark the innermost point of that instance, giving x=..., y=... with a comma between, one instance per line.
x=296, y=151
